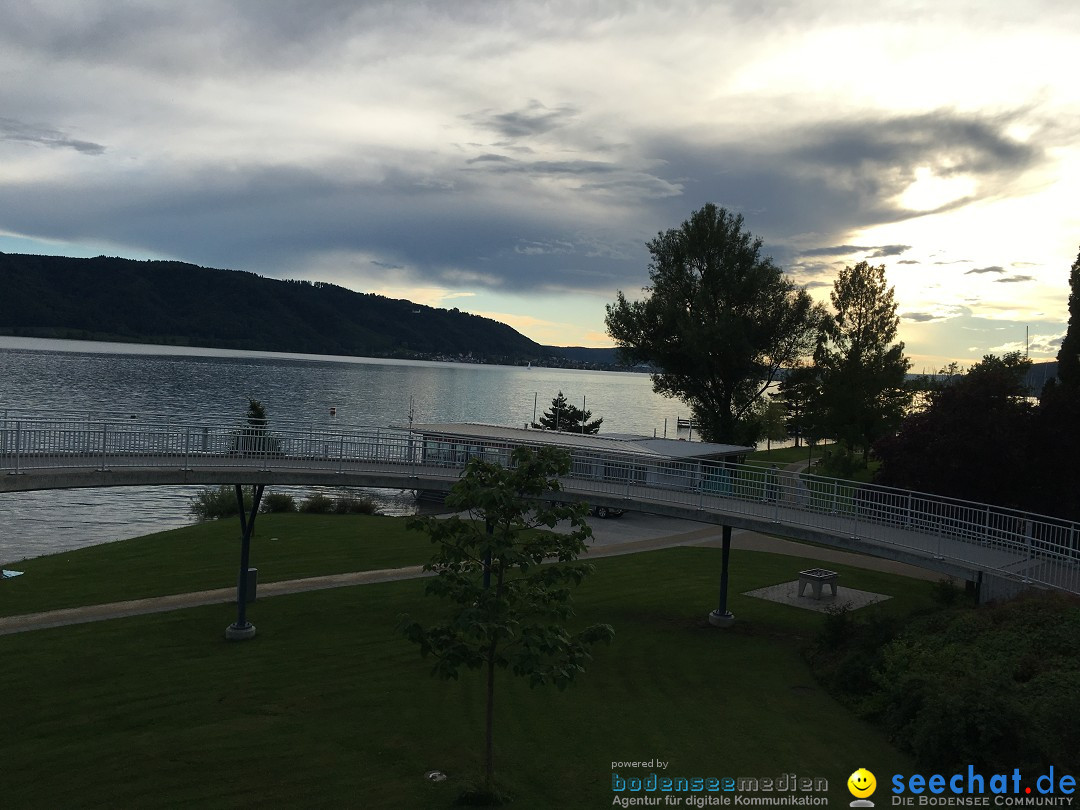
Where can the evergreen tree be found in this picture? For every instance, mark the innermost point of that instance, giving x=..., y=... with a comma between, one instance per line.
x=568, y=418
x=255, y=436
x=862, y=369
x=801, y=390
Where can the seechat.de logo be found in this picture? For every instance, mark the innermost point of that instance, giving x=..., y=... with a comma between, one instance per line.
x=862, y=785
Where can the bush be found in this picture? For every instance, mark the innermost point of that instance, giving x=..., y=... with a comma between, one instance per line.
x=278, y=502
x=317, y=505
x=348, y=505
x=847, y=651
x=946, y=593
x=218, y=502
x=993, y=687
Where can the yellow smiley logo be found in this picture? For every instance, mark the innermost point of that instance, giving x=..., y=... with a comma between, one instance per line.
x=861, y=783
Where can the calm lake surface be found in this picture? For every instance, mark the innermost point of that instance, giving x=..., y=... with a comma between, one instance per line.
x=60, y=376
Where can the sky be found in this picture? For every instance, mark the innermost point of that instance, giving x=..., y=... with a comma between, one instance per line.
x=513, y=159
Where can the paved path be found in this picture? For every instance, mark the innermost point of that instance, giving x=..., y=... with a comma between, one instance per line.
x=633, y=533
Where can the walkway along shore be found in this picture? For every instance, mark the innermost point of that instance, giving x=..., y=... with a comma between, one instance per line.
x=609, y=542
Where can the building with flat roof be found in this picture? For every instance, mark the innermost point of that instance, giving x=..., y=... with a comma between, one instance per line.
x=610, y=458
x=655, y=448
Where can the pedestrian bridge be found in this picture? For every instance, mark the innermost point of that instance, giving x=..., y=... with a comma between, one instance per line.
x=968, y=540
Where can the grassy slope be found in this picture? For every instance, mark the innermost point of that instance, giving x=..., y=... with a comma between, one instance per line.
x=207, y=555
x=327, y=706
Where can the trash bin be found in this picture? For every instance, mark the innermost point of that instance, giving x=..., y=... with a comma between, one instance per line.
x=252, y=581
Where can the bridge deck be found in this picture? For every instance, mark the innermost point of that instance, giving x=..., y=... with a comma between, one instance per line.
x=951, y=537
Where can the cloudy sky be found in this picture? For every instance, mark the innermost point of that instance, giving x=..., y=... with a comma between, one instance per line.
x=514, y=158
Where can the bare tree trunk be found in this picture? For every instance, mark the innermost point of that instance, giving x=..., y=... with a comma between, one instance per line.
x=489, y=723
x=489, y=751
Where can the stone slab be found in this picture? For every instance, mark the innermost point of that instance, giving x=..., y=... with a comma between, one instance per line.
x=787, y=593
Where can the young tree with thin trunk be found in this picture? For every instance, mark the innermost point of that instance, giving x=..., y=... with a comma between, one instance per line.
x=508, y=577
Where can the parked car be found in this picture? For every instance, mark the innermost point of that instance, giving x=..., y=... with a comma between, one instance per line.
x=607, y=511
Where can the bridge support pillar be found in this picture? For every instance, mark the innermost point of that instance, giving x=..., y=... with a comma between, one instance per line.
x=242, y=629
x=722, y=617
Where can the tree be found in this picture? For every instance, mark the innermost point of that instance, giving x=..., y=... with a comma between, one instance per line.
x=510, y=603
x=254, y=436
x=1056, y=443
x=719, y=321
x=1068, y=358
x=971, y=442
x=862, y=370
x=800, y=389
x=564, y=416
x=773, y=420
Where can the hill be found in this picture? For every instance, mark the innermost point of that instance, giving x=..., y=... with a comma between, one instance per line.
x=175, y=303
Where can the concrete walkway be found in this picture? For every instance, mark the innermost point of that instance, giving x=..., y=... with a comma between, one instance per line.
x=632, y=533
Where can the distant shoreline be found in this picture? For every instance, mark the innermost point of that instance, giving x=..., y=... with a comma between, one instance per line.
x=127, y=347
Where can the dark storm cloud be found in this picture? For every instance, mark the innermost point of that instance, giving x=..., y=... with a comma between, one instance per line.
x=276, y=221
x=838, y=177
x=535, y=119
x=12, y=130
x=876, y=252
x=513, y=206
x=908, y=261
x=197, y=37
x=951, y=142
x=836, y=250
x=588, y=177
x=980, y=270
x=477, y=212
x=919, y=317
x=889, y=250
x=1014, y=279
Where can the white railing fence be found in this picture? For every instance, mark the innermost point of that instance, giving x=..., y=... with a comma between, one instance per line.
x=1015, y=544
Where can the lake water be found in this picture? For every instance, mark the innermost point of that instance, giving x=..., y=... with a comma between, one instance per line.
x=59, y=376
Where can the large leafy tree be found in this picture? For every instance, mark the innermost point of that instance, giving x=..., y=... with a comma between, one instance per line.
x=973, y=439
x=508, y=579
x=562, y=415
x=719, y=321
x=1069, y=355
x=861, y=365
x=1057, y=445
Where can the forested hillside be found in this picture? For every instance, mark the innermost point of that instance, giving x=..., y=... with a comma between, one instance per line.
x=183, y=304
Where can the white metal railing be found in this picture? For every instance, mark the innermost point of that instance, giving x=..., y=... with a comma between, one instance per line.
x=1015, y=544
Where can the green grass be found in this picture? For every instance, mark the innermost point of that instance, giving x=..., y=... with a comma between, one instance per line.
x=783, y=455
x=207, y=555
x=329, y=707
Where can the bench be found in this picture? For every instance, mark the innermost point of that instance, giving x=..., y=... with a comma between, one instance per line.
x=815, y=578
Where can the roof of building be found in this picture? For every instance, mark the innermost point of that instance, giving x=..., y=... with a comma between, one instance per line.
x=610, y=442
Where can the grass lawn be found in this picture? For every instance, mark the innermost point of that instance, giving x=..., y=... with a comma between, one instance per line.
x=329, y=707
x=207, y=555
x=783, y=455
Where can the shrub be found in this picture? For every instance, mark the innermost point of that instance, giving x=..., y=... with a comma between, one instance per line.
x=945, y=592
x=317, y=505
x=348, y=505
x=993, y=687
x=278, y=502
x=218, y=502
